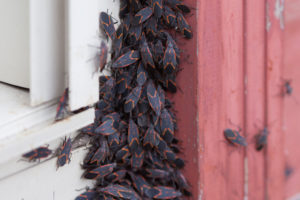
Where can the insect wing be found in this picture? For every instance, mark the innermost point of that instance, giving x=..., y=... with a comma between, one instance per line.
x=164, y=192
x=103, y=55
x=142, y=74
x=100, y=172
x=169, y=60
x=88, y=195
x=106, y=128
x=184, y=26
x=137, y=158
x=146, y=54
x=65, y=150
x=61, y=110
x=116, y=176
x=153, y=98
x=107, y=25
x=150, y=138
x=132, y=99
x=157, y=6
x=133, y=135
x=126, y=59
x=169, y=17
x=167, y=126
x=120, y=192
x=123, y=154
x=142, y=16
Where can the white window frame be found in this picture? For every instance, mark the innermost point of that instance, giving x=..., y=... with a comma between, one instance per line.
x=70, y=59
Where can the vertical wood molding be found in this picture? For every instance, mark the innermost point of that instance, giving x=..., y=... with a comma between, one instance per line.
x=274, y=62
x=255, y=94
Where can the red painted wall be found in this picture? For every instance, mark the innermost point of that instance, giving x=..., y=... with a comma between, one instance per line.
x=233, y=71
x=291, y=107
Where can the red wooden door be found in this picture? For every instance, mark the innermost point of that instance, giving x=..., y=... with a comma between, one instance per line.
x=233, y=72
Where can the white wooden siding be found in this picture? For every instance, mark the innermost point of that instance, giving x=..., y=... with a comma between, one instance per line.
x=47, y=52
x=82, y=42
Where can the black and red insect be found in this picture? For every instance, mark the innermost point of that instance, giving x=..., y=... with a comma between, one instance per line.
x=140, y=184
x=132, y=99
x=151, y=138
x=88, y=195
x=142, y=74
x=146, y=55
x=167, y=126
x=126, y=59
x=116, y=176
x=100, y=154
x=169, y=60
x=164, y=192
x=137, y=158
x=133, y=136
x=107, y=25
x=176, y=4
x=118, y=41
x=157, y=6
x=120, y=191
x=153, y=98
x=287, y=87
x=142, y=16
x=103, y=55
x=100, y=172
x=169, y=17
x=261, y=139
x=89, y=130
x=170, y=83
x=234, y=137
x=37, y=154
x=109, y=125
x=62, y=110
x=123, y=154
x=64, y=152
x=134, y=34
x=183, y=26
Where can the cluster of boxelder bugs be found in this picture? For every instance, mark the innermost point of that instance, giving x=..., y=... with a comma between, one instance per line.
x=134, y=150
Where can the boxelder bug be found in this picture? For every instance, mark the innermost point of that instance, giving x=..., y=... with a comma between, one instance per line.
x=140, y=184
x=37, y=154
x=234, y=137
x=132, y=99
x=157, y=6
x=61, y=110
x=288, y=88
x=120, y=192
x=142, y=74
x=153, y=98
x=100, y=172
x=261, y=139
x=103, y=55
x=163, y=192
x=64, y=152
x=88, y=195
x=107, y=24
x=169, y=60
x=142, y=16
x=133, y=136
x=183, y=26
x=126, y=59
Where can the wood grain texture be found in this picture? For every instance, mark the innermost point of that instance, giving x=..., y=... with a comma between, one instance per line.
x=220, y=97
x=291, y=105
x=274, y=62
x=254, y=28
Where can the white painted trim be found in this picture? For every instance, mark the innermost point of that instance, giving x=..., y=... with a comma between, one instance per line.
x=22, y=142
x=47, y=54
